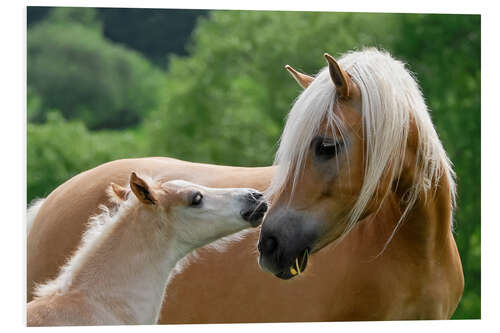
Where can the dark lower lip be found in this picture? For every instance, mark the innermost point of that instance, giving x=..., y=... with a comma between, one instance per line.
x=303, y=259
x=284, y=275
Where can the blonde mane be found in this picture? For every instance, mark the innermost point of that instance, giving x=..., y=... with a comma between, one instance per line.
x=97, y=228
x=390, y=98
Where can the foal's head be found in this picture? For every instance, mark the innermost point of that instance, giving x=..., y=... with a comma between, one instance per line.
x=194, y=214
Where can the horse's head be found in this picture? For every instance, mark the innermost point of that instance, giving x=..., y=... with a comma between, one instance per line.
x=312, y=203
x=343, y=146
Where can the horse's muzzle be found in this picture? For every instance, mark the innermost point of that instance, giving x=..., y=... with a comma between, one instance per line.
x=285, y=242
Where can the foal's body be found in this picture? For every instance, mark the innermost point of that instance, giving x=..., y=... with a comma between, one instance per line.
x=119, y=274
x=97, y=294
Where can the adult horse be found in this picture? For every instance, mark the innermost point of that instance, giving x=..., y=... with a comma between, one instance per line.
x=363, y=277
x=361, y=165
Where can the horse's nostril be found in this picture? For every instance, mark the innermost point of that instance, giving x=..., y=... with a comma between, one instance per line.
x=268, y=245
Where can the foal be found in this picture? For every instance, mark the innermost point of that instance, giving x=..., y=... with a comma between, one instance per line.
x=119, y=273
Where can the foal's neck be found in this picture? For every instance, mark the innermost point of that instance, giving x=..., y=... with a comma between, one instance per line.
x=127, y=267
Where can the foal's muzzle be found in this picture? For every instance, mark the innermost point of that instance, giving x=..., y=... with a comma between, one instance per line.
x=256, y=208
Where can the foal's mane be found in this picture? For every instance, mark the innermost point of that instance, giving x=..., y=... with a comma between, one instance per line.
x=390, y=98
x=97, y=226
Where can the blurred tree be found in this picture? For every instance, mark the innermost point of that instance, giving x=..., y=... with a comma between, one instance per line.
x=226, y=103
x=75, y=15
x=33, y=104
x=156, y=33
x=36, y=13
x=445, y=52
x=58, y=150
x=75, y=70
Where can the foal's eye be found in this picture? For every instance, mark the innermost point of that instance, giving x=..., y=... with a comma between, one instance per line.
x=326, y=148
x=196, y=199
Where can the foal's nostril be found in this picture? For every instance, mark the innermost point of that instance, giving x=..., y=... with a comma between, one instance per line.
x=255, y=196
x=255, y=207
x=268, y=245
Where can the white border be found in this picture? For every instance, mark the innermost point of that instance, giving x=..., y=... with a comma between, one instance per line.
x=13, y=190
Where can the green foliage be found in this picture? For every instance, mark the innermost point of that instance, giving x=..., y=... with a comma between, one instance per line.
x=227, y=101
x=75, y=70
x=33, y=104
x=444, y=51
x=75, y=15
x=58, y=150
x=156, y=33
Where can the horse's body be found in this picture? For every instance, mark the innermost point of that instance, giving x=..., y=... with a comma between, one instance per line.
x=411, y=280
x=416, y=275
x=119, y=273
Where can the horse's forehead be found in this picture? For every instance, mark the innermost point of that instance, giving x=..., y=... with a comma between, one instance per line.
x=351, y=113
x=347, y=115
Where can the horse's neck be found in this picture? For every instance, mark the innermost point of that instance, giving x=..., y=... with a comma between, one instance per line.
x=127, y=268
x=423, y=231
x=428, y=221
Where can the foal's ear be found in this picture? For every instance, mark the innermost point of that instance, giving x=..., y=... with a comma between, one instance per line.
x=142, y=190
x=303, y=80
x=119, y=192
x=339, y=77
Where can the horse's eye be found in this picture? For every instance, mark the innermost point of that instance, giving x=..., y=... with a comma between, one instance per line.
x=326, y=148
x=196, y=199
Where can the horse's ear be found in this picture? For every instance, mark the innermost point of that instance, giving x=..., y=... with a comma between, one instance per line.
x=142, y=190
x=303, y=80
x=119, y=192
x=339, y=77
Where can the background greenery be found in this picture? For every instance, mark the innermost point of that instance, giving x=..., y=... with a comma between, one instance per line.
x=210, y=87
